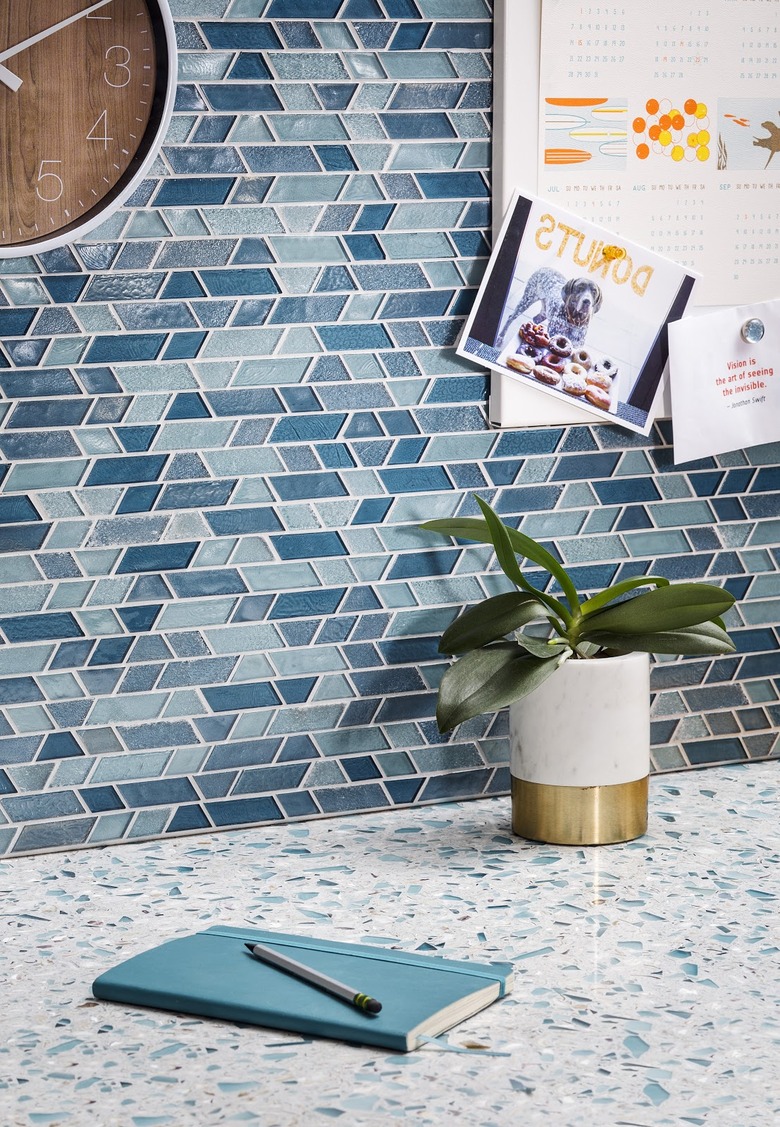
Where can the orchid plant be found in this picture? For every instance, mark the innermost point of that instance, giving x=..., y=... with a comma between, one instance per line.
x=499, y=660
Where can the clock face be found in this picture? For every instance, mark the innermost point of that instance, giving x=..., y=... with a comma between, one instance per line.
x=86, y=90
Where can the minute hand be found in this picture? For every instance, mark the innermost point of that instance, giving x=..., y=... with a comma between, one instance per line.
x=25, y=43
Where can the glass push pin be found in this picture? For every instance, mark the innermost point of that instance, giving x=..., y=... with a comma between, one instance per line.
x=752, y=331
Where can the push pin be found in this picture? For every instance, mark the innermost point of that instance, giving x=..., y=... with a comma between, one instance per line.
x=752, y=331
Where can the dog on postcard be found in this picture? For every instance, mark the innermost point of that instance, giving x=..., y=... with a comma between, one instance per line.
x=567, y=305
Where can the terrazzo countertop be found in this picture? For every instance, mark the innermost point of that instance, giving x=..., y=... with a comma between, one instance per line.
x=646, y=991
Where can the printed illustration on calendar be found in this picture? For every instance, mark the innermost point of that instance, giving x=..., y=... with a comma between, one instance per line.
x=577, y=311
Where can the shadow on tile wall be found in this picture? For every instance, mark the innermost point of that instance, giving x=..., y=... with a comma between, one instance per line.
x=225, y=413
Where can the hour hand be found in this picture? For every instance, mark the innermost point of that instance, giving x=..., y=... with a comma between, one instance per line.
x=9, y=78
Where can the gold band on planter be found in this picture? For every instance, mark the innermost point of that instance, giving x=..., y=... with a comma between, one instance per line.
x=579, y=815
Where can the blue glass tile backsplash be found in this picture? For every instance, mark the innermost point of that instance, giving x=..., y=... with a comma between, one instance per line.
x=223, y=417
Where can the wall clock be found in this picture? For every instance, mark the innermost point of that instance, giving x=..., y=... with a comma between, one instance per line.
x=86, y=94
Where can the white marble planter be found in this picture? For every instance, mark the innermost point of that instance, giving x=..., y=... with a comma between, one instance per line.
x=580, y=753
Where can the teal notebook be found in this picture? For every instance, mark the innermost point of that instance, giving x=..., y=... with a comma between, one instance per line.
x=212, y=974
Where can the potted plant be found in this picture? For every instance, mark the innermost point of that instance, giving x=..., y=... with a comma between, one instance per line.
x=578, y=691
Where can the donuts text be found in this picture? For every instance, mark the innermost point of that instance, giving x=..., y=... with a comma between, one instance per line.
x=593, y=259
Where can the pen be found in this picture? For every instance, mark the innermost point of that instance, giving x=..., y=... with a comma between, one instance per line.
x=308, y=974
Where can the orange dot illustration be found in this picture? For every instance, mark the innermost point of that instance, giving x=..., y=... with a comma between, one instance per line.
x=654, y=132
x=678, y=122
x=643, y=151
x=690, y=106
x=639, y=125
x=652, y=106
x=664, y=121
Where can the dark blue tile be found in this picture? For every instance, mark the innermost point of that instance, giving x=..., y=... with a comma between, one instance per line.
x=415, y=479
x=335, y=95
x=298, y=487
x=309, y=428
x=98, y=799
x=243, y=811
x=38, y=446
x=139, y=499
x=309, y=545
x=239, y=283
x=306, y=604
x=156, y=557
x=249, y=66
x=110, y=651
x=418, y=127
x=364, y=248
x=715, y=751
x=409, y=36
x=139, y=619
x=298, y=804
x=403, y=791
x=188, y=818
x=19, y=690
x=296, y=690
x=372, y=510
x=40, y=627
x=160, y=734
x=247, y=695
x=244, y=401
x=60, y=745
x=33, y=807
x=115, y=471
x=17, y=510
x=452, y=185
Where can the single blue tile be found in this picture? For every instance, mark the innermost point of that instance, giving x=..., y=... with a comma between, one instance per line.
x=98, y=799
x=139, y=619
x=33, y=807
x=139, y=499
x=156, y=557
x=247, y=695
x=335, y=95
x=243, y=521
x=40, y=627
x=60, y=745
x=255, y=35
x=239, y=283
x=281, y=158
x=403, y=791
x=19, y=690
x=249, y=66
x=157, y=792
x=187, y=818
x=298, y=487
x=337, y=800
x=309, y=545
x=307, y=604
x=200, y=583
x=297, y=804
x=184, y=346
x=115, y=471
x=364, y=248
x=111, y=651
x=243, y=811
x=188, y=405
x=244, y=401
x=31, y=384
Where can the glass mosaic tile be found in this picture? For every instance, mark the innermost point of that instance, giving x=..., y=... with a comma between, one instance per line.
x=225, y=415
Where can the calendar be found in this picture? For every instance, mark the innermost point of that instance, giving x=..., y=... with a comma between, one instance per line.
x=662, y=121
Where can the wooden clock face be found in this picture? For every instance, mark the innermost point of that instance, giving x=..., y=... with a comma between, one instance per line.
x=85, y=94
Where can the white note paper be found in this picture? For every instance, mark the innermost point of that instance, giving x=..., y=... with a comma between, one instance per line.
x=725, y=390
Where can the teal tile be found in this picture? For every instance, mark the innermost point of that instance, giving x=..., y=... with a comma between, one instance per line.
x=241, y=342
x=110, y=827
x=415, y=217
x=196, y=612
x=148, y=823
x=308, y=127
x=425, y=244
x=759, y=613
x=97, y=622
x=253, y=667
x=69, y=596
x=657, y=543
x=418, y=65
x=333, y=687
x=459, y=448
x=243, y=220
x=30, y=718
x=309, y=248
x=238, y=639
x=683, y=514
x=16, y=600
x=126, y=708
x=280, y=577
x=45, y=475
x=594, y=548
x=123, y=768
x=435, y=156
x=60, y=686
x=251, y=128
x=307, y=660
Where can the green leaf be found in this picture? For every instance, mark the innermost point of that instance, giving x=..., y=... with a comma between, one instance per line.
x=704, y=638
x=473, y=528
x=541, y=647
x=488, y=621
x=667, y=608
x=504, y=551
x=609, y=594
x=488, y=679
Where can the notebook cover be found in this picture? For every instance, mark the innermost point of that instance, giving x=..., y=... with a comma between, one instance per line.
x=212, y=974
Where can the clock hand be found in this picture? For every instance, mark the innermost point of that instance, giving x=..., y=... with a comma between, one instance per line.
x=7, y=76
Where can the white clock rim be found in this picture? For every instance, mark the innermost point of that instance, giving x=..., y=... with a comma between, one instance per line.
x=75, y=234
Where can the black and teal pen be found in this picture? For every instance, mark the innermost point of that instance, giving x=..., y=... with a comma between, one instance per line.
x=308, y=974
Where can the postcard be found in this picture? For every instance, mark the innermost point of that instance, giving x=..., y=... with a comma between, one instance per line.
x=577, y=311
